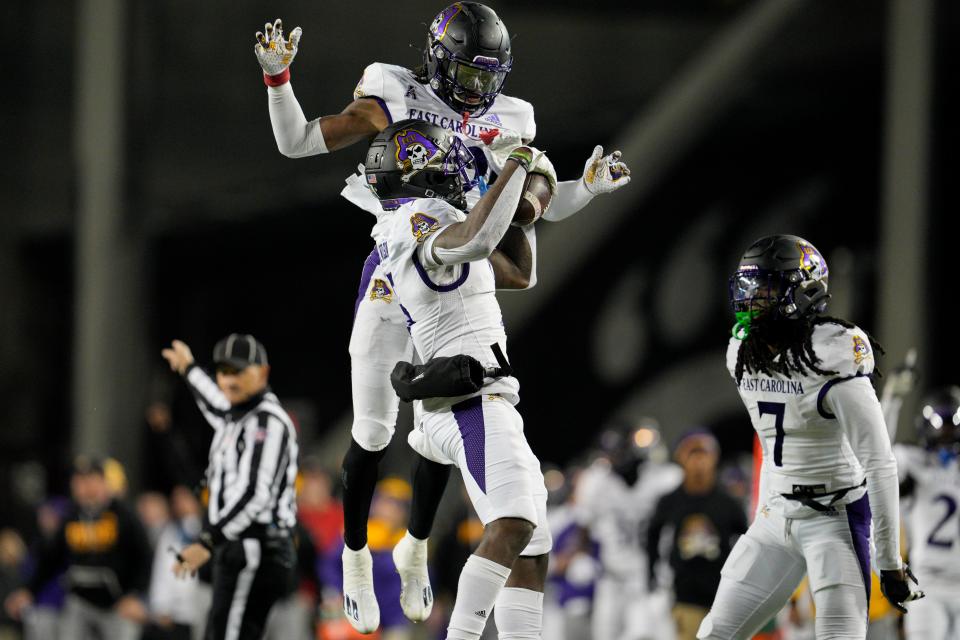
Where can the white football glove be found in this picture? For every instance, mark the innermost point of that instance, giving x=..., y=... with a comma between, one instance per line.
x=603, y=174
x=500, y=142
x=274, y=53
x=541, y=164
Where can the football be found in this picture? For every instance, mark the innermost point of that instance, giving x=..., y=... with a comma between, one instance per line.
x=534, y=201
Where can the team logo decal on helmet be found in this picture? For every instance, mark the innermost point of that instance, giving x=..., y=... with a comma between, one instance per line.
x=416, y=159
x=414, y=151
x=439, y=26
x=811, y=261
x=381, y=291
x=422, y=225
x=860, y=349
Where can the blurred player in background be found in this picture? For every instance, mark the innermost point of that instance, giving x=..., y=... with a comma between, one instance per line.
x=574, y=562
x=805, y=381
x=930, y=484
x=438, y=260
x=466, y=63
x=615, y=500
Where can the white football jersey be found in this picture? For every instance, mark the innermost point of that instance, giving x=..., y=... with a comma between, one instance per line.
x=933, y=524
x=618, y=514
x=450, y=310
x=803, y=444
x=402, y=97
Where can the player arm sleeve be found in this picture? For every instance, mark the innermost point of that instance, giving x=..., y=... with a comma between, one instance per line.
x=213, y=404
x=855, y=405
x=486, y=238
x=571, y=197
x=296, y=138
x=260, y=463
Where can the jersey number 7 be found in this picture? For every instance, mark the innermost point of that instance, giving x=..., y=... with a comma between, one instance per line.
x=776, y=409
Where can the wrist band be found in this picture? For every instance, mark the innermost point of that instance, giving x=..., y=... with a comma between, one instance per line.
x=275, y=81
x=522, y=156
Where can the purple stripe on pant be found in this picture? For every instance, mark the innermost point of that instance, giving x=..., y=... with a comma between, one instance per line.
x=371, y=263
x=469, y=417
x=858, y=517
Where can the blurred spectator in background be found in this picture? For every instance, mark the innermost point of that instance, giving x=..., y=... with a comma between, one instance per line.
x=386, y=526
x=615, y=499
x=320, y=523
x=154, y=513
x=705, y=521
x=107, y=556
x=178, y=608
x=13, y=552
x=42, y=620
x=171, y=459
x=317, y=509
x=574, y=563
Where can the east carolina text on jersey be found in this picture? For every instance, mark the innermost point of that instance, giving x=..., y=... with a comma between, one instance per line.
x=768, y=385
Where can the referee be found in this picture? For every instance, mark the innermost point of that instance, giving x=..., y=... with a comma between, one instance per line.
x=251, y=474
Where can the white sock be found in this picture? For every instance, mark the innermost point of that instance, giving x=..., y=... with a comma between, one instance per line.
x=519, y=614
x=480, y=582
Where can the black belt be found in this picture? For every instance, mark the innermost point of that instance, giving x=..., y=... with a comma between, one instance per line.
x=805, y=494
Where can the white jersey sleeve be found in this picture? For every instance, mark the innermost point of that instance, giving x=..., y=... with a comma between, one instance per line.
x=850, y=397
x=371, y=83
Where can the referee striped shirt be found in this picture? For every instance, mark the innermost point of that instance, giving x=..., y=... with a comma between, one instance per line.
x=253, y=462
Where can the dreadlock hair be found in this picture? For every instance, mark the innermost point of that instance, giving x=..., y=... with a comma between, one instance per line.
x=792, y=341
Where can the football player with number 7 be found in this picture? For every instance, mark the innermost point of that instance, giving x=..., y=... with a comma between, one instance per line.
x=828, y=468
x=458, y=87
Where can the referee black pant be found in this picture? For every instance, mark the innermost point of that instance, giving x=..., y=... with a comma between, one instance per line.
x=249, y=575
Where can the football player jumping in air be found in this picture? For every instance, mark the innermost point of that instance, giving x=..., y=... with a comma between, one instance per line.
x=827, y=461
x=466, y=62
x=437, y=258
x=930, y=485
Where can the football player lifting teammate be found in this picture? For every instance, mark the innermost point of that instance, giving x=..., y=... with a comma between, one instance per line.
x=466, y=62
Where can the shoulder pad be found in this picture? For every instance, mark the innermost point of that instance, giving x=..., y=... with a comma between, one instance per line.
x=846, y=351
x=371, y=82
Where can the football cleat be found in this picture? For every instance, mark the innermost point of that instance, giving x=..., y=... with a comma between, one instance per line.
x=359, y=600
x=416, y=595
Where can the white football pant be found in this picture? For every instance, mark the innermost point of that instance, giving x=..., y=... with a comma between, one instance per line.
x=769, y=561
x=378, y=341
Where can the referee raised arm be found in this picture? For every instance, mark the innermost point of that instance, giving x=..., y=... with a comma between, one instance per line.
x=250, y=475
